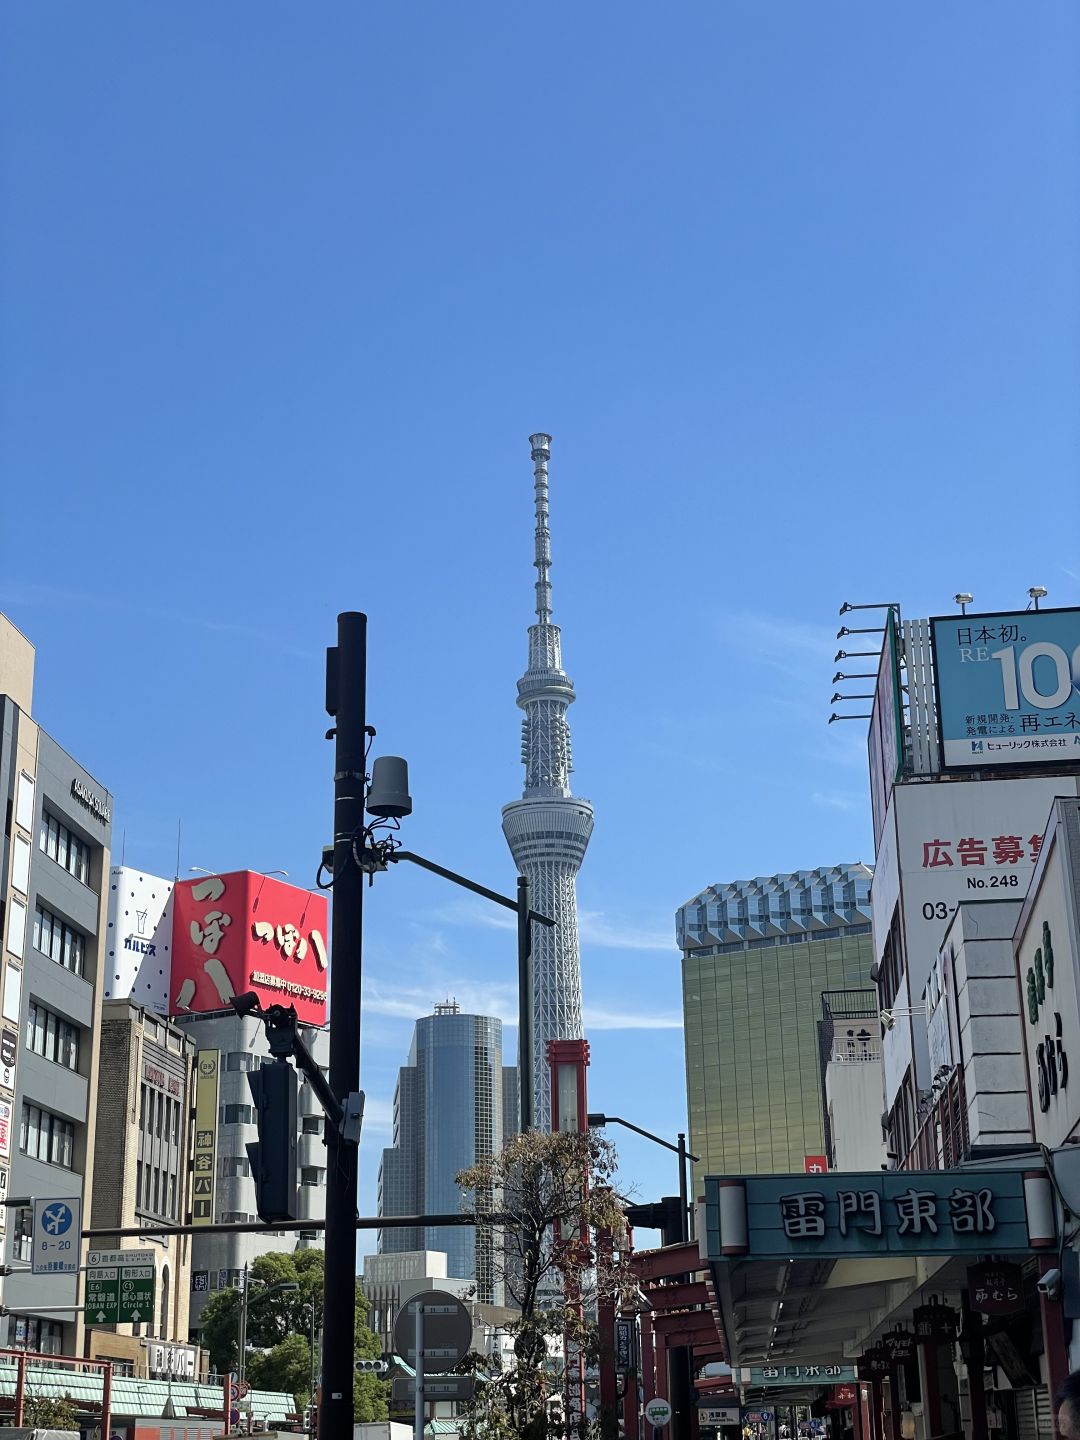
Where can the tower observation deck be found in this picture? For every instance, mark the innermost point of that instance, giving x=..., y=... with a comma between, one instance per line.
x=548, y=829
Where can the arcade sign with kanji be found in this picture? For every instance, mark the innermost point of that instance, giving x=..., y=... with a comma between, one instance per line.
x=906, y=1212
x=764, y=1376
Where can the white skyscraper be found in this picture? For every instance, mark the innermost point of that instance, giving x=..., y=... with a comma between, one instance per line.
x=548, y=829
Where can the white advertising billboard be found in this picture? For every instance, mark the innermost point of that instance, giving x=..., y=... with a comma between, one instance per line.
x=140, y=938
x=944, y=842
x=1048, y=962
x=1008, y=688
x=965, y=840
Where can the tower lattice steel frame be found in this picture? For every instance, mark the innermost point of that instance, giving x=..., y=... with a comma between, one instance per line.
x=548, y=829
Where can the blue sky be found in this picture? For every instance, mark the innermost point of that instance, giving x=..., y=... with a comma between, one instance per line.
x=285, y=289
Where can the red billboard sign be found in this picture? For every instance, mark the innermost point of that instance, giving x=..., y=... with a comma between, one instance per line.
x=815, y=1165
x=243, y=931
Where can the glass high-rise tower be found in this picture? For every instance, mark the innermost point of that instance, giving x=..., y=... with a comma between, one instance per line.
x=449, y=1112
x=757, y=955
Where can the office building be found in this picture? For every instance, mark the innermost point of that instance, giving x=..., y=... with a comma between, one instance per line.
x=849, y=1035
x=448, y=1113
x=548, y=829
x=383, y=1277
x=142, y=1165
x=234, y=1045
x=177, y=952
x=974, y=732
x=53, y=888
x=756, y=957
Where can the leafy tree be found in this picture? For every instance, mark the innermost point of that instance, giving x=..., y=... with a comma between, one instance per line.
x=556, y=1191
x=286, y=1367
x=279, y=1331
x=50, y=1412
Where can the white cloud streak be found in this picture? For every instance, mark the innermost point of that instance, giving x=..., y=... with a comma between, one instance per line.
x=595, y=928
x=411, y=1002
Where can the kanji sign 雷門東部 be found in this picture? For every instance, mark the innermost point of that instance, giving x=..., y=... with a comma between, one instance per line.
x=899, y=1212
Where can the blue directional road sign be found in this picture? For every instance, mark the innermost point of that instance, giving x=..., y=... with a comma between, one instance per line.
x=57, y=1232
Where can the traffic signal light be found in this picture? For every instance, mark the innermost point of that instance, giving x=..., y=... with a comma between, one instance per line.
x=665, y=1216
x=371, y=1367
x=273, y=1158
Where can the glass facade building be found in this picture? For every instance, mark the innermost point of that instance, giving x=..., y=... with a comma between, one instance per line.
x=757, y=956
x=449, y=1112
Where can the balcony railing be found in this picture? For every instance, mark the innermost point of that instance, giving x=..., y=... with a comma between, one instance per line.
x=855, y=1052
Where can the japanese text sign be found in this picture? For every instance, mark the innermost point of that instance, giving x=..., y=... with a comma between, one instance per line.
x=779, y=1375
x=57, y=1233
x=1007, y=688
x=718, y=1415
x=204, y=1150
x=908, y=1212
x=934, y=1323
x=242, y=931
x=995, y=1288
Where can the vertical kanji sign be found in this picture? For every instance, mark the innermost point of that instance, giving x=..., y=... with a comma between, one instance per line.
x=204, y=1161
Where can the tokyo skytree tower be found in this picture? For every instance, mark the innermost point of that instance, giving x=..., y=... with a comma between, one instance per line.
x=548, y=829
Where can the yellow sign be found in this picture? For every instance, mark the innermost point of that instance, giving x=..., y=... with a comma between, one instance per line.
x=207, y=1064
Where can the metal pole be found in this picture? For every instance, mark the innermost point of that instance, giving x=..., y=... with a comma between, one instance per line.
x=526, y=1058
x=20, y=1389
x=106, y=1402
x=311, y=1391
x=346, y=693
x=418, y=1412
x=684, y=1209
x=243, y=1327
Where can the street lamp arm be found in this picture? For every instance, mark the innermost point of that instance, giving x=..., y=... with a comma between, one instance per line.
x=466, y=884
x=599, y=1120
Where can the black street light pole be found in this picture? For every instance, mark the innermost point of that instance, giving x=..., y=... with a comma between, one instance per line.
x=679, y=1382
x=346, y=700
x=526, y=1058
x=525, y=918
x=597, y=1122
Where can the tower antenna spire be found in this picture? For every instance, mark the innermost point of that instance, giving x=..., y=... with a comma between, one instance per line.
x=548, y=829
x=541, y=454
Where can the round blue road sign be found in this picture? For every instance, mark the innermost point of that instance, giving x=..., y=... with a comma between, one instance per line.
x=56, y=1219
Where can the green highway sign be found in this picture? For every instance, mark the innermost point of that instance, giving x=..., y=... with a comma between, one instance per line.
x=119, y=1287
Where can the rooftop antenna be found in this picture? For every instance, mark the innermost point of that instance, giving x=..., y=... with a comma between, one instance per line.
x=1037, y=593
x=541, y=454
x=963, y=598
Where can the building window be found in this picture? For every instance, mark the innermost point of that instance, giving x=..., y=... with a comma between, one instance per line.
x=237, y=1217
x=45, y=1136
x=66, y=849
x=311, y=1125
x=233, y=1166
x=237, y=1115
x=20, y=864
x=55, y=938
x=311, y=1175
x=55, y=1039
x=242, y=1060
x=23, y=1244
x=43, y=1336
